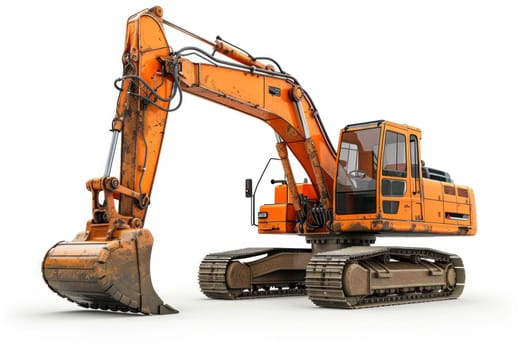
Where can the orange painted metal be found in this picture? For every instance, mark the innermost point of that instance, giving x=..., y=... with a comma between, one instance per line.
x=107, y=266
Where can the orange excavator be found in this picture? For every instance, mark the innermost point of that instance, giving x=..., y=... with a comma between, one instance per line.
x=373, y=185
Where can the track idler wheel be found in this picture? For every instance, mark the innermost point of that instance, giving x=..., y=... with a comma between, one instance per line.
x=109, y=275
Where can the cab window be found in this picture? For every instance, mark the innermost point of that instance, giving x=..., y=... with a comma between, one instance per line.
x=394, y=156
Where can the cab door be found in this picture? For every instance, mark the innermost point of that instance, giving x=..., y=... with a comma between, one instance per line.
x=396, y=198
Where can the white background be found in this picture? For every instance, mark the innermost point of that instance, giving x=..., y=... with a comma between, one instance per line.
x=456, y=69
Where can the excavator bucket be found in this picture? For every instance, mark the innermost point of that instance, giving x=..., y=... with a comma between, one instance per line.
x=109, y=275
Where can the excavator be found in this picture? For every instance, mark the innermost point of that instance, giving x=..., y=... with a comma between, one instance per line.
x=373, y=185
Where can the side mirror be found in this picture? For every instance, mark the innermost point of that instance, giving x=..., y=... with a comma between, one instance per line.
x=248, y=191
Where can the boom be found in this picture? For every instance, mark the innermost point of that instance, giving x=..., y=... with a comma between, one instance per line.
x=275, y=98
x=152, y=78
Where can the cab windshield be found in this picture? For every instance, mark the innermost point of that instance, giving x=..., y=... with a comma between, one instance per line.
x=357, y=172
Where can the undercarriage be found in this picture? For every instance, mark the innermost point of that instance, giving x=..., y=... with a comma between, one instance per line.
x=350, y=277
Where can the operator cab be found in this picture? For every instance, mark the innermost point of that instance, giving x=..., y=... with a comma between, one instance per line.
x=380, y=180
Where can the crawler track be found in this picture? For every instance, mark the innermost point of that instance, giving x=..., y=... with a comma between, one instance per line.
x=326, y=271
x=213, y=280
